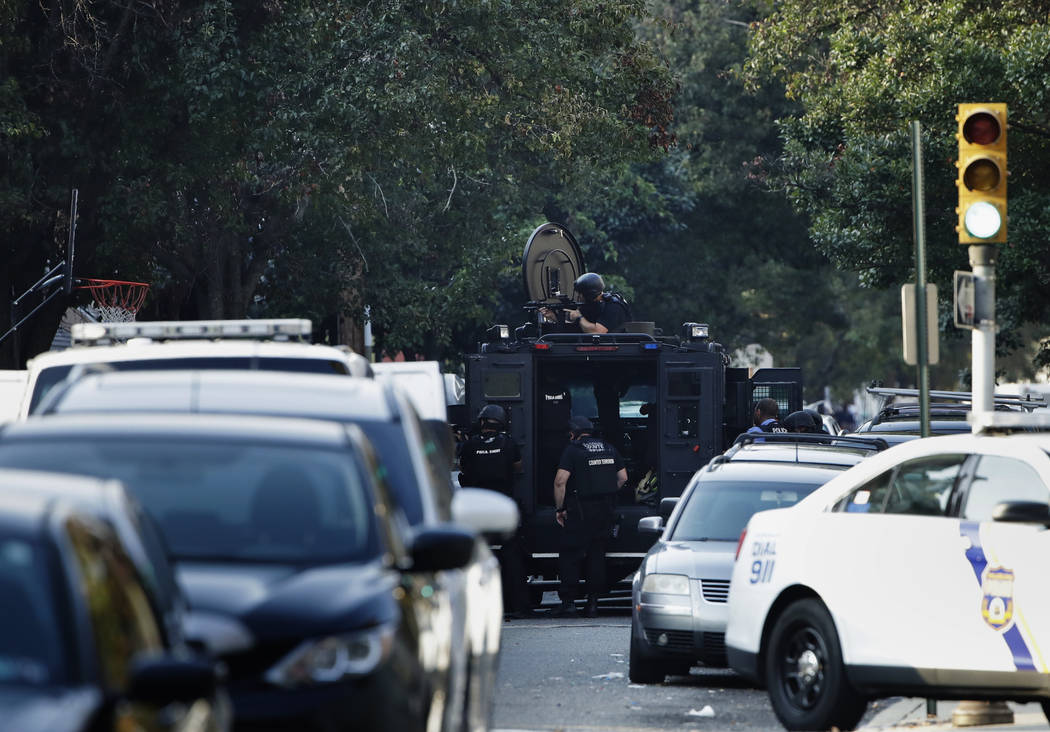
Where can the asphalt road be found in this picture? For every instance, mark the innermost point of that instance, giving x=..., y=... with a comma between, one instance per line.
x=572, y=675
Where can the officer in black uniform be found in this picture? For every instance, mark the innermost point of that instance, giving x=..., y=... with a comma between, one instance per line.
x=589, y=476
x=600, y=311
x=490, y=458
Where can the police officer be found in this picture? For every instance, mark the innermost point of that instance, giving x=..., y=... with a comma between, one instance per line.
x=590, y=474
x=766, y=416
x=600, y=311
x=800, y=421
x=489, y=459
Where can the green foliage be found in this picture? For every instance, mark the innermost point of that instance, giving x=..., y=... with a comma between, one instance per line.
x=318, y=156
x=862, y=72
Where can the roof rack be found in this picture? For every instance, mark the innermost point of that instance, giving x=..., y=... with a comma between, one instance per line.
x=812, y=438
x=1026, y=402
x=166, y=330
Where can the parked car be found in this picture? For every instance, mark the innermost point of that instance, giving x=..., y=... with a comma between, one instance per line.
x=276, y=345
x=303, y=576
x=949, y=413
x=418, y=475
x=680, y=591
x=110, y=501
x=919, y=572
x=82, y=648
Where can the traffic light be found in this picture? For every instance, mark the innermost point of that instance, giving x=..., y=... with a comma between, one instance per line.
x=982, y=173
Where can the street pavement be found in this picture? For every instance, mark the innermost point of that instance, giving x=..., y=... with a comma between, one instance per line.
x=911, y=714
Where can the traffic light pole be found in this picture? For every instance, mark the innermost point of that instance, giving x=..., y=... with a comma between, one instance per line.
x=982, y=259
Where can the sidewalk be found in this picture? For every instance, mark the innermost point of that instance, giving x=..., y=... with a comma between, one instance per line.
x=911, y=714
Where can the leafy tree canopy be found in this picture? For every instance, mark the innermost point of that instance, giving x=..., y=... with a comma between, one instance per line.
x=861, y=72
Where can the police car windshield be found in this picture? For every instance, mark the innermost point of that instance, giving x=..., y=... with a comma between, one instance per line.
x=718, y=510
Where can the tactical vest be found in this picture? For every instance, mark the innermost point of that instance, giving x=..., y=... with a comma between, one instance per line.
x=594, y=473
x=487, y=461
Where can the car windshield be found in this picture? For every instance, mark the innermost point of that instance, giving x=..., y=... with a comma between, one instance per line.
x=49, y=377
x=718, y=510
x=31, y=635
x=229, y=501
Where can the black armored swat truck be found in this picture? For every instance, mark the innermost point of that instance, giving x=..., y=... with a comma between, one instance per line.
x=669, y=403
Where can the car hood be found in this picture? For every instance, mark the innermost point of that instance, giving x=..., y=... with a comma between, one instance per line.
x=275, y=601
x=51, y=708
x=696, y=559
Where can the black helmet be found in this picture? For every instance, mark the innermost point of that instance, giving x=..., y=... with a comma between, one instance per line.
x=800, y=421
x=589, y=285
x=493, y=413
x=580, y=424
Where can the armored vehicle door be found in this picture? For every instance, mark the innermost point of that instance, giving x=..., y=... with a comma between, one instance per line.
x=782, y=384
x=692, y=392
x=506, y=378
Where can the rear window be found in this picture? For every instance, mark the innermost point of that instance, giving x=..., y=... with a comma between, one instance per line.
x=49, y=377
x=718, y=510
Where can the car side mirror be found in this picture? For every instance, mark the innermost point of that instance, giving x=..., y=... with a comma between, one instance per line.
x=651, y=525
x=442, y=547
x=488, y=512
x=1028, y=512
x=160, y=680
x=666, y=507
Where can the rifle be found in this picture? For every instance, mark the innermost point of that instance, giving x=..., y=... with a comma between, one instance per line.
x=559, y=307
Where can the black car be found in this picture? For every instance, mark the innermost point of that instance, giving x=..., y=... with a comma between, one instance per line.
x=110, y=501
x=81, y=645
x=302, y=575
x=416, y=468
x=949, y=413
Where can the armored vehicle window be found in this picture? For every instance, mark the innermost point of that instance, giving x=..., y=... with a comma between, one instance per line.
x=501, y=385
x=683, y=384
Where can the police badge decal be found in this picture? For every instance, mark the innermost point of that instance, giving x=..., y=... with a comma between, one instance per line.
x=997, y=602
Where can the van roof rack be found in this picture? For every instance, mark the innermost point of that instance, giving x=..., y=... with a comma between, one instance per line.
x=812, y=438
x=95, y=334
x=1026, y=402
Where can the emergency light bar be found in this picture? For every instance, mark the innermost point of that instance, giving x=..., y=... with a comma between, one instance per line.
x=96, y=333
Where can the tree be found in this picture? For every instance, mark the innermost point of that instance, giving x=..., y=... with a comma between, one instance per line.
x=259, y=157
x=861, y=72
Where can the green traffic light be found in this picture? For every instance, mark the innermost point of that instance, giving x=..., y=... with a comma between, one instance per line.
x=982, y=220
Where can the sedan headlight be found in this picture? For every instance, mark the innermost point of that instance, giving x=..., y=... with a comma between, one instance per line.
x=334, y=658
x=666, y=584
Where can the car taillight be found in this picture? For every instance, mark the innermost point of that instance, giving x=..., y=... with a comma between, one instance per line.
x=740, y=543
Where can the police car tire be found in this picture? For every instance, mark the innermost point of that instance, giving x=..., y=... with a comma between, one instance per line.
x=806, y=627
x=641, y=669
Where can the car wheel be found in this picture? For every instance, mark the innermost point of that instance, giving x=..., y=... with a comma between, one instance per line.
x=640, y=669
x=1046, y=710
x=805, y=674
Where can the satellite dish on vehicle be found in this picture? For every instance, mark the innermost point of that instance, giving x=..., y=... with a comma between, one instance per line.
x=550, y=264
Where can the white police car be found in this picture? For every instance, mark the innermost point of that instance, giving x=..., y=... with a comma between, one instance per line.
x=921, y=571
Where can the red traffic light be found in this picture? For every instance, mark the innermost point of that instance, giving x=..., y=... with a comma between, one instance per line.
x=981, y=128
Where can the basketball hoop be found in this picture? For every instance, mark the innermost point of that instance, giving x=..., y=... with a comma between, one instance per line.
x=114, y=301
